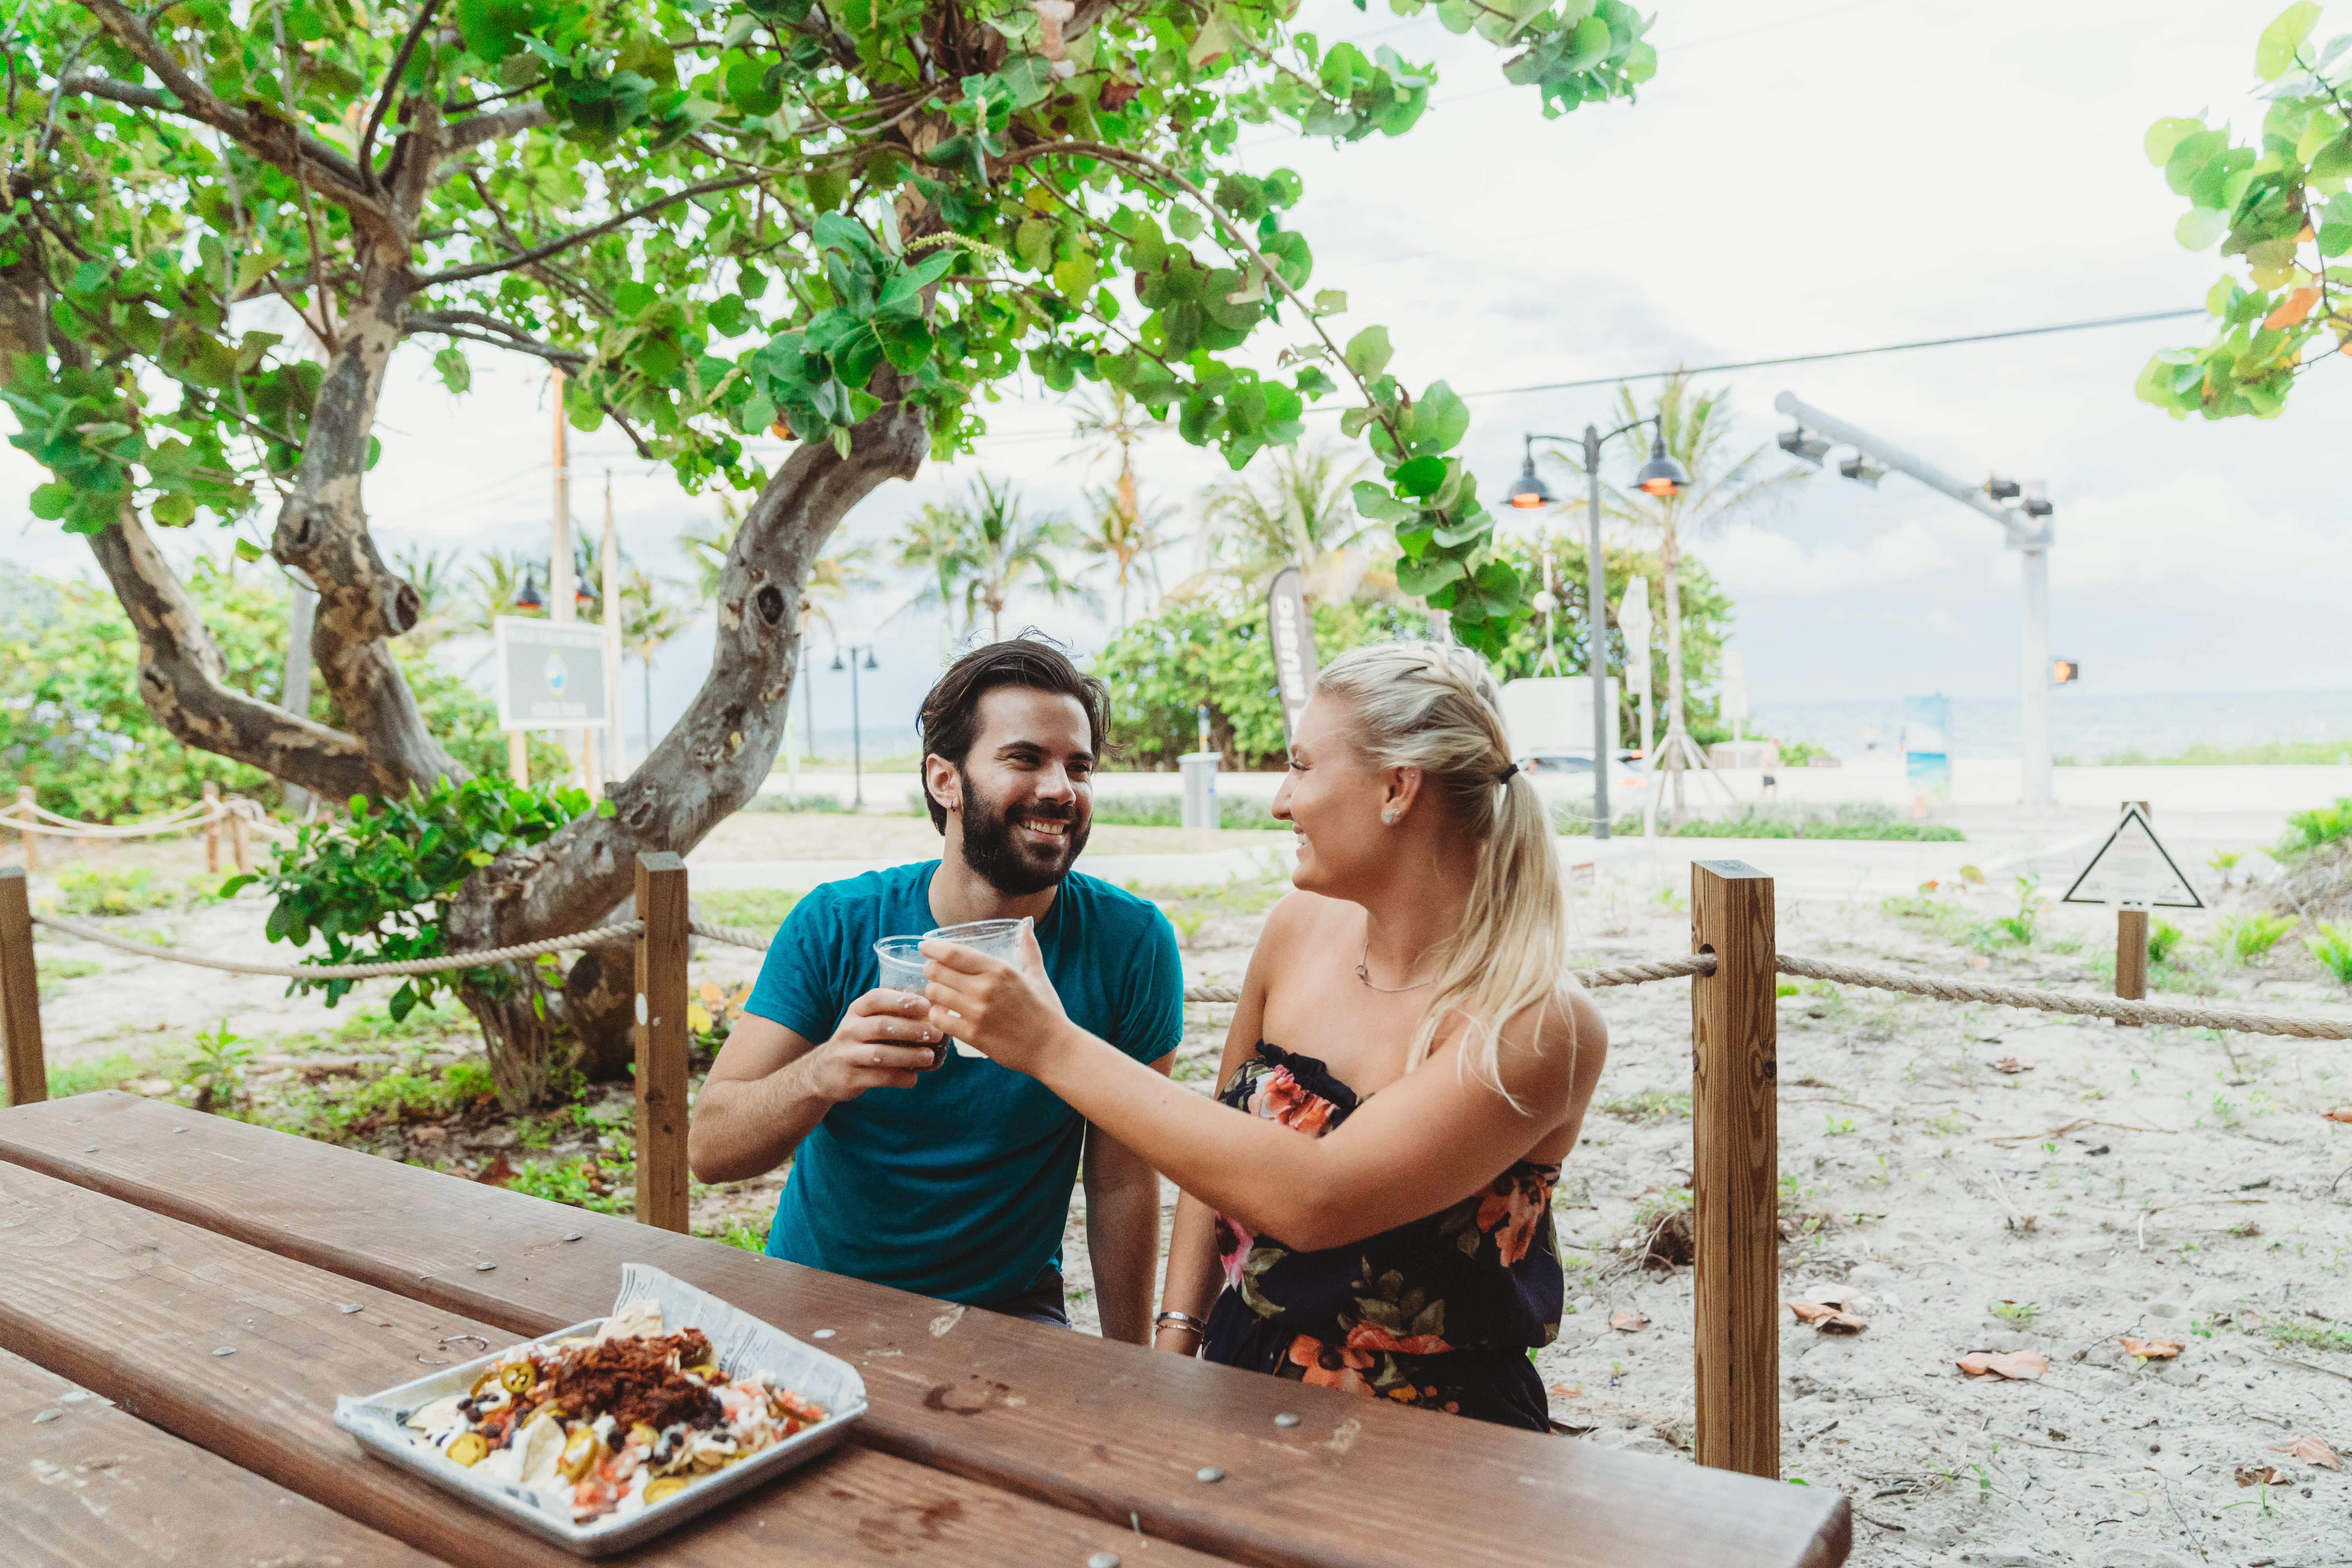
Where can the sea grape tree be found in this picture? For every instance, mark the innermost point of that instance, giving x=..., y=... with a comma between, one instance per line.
x=842, y=221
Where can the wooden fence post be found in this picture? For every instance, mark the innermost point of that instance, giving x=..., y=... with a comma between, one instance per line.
x=240, y=847
x=20, y=993
x=32, y=839
x=212, y=828
x=2131, y=946
x=1734, y=1170
x=662, y=954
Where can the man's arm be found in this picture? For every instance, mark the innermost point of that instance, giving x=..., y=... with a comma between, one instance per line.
x=1123, y=1230
x=770, y=1086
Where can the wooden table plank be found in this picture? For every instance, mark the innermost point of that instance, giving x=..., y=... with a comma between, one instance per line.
x=1106, y=1428
x=93, y=1487
x=137, y=1307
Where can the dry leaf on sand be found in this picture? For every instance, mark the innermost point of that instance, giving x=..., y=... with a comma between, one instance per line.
x=2338, y=1113
x=2150, y=1349
x=2267, y=1475
x=1569, y=1390
x=2310, y=1451
x=1828, y=1317
x=499, y=1172
x=2011, y=1065
x=2017, y=1364
x=1628, y=1322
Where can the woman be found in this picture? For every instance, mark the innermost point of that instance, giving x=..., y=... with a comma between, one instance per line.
x=1413, y=1063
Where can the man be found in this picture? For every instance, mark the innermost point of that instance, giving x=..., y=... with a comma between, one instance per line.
x=954, y=1181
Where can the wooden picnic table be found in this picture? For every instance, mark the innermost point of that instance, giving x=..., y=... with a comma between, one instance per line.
x=138, y=1241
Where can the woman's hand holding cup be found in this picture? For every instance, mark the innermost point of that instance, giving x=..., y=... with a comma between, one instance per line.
x=1008, y=1012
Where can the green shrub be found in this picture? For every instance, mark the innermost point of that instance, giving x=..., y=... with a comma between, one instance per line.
x=2309, y=830
x=2163, y=938
x=2248, y=936
x=2332, y=946
x=1851, y=820
x=766, y=803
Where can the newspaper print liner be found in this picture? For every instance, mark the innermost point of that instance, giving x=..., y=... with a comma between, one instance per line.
x=742, y=1344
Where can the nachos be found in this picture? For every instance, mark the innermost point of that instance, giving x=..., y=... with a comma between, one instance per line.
x=612, y=1425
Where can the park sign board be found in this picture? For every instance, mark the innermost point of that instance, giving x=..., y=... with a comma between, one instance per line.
x=550, y=673
x=1291, y=631
x=2133, y=870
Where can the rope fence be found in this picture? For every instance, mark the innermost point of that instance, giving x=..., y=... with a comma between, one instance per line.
x=244, y=819
x=2231, y=1019
x=619, y=930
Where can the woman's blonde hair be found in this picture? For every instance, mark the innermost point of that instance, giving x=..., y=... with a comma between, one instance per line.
x=1420, y=705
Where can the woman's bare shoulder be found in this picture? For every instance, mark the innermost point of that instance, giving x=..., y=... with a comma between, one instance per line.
x=1303, y=916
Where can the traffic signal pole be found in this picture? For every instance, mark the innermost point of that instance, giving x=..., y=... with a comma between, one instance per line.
x=2029, y=535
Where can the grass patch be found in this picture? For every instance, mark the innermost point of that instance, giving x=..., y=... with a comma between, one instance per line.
x=751, y=1236
x=2311, y=1336
x=1651, y=1105
x=2249, y=938
x=762, y=909
x=583, y=1182
x=2316, y=828
x=48, y=973
x=1195, y=1069
x=2271, y=753
x=1234, y=897
x=110, y=1071
x=101, y=890
x=1852, y=819
x=767, y=804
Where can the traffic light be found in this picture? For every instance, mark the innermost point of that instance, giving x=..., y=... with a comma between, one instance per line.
x=2064, y=671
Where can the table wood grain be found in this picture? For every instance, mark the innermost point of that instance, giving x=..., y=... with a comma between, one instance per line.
x=90, y=1487
x=1110, y=1429
x=242, y=1352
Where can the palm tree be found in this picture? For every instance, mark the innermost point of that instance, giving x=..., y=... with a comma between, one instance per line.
x=649, y=617
x=1698, y=432
x=1302, y=516
x=1114, y=426
x=983, y=549
x=1125, y=536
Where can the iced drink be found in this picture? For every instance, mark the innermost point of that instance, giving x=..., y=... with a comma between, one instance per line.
x=901, y=962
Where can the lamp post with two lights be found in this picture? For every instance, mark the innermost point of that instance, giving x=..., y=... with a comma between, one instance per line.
x=1661, y=477
x=856, y=731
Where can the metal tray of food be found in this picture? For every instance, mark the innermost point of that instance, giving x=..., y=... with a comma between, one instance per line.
x=740, y=1345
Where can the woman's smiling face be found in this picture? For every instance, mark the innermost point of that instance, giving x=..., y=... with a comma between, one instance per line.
x=1332, y=798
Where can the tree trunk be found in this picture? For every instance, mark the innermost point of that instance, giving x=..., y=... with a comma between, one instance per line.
x=1670, y=549
x=519, y=1030
x=715, y=757
x=323, y=531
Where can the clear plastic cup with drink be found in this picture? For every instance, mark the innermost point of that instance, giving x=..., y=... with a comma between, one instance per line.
x=901, y=962
x=997, y=939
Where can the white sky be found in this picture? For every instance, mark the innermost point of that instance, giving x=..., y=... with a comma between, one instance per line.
x=1801, y=176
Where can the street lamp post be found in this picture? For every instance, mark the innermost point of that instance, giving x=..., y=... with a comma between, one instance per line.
x=856, y=731
x=1661, y=475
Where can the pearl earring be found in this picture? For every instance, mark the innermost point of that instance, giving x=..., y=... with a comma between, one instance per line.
x=1389, y=818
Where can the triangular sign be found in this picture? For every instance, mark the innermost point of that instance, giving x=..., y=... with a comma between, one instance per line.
x=2131, y=870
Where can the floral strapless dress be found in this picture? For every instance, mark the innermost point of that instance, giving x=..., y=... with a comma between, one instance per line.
x=1443, y=1311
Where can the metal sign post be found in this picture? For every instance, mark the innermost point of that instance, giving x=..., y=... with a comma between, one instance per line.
x=2133, y=872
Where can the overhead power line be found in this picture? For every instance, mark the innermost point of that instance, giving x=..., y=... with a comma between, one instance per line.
x=1832, y=354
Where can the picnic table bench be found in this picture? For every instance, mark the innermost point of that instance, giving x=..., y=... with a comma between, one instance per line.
x=196, y=1272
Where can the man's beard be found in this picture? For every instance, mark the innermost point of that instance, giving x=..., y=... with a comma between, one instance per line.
x=1011, y=868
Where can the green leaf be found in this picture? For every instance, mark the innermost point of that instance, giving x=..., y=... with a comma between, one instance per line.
x=2165, y=135
x=1421, y=476
x=247, y=550
x=1376, y=501
x=2200, y=226
x=2274, y=51
x=1330, y=302
x=450, y=365
x=52, y=500
x=1424, y=577
x=1184, y=222
x=1368, y=351
x=1439, y=420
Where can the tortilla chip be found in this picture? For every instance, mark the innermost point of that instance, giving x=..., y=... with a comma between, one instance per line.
x=541, y=1444
x=439, y=1416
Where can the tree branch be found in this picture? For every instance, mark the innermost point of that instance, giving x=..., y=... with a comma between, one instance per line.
x=456, y=324
x=391, y=85
x=180, y=671
x=478, y=129
x=577, y=237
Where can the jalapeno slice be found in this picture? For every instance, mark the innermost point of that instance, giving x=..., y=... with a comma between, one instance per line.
x=468, y=1448
x=664, y=1489
x=518, y=1377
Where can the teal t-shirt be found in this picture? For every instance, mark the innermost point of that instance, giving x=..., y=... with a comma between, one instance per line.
x=958, y=1187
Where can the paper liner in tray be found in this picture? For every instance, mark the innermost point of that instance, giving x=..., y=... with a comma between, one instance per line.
x=742, y=1343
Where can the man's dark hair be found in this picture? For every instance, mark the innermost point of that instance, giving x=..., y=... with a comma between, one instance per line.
x=950, y=720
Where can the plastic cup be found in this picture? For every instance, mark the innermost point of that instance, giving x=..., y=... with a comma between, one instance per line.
x=901, y=960
x=997, y=939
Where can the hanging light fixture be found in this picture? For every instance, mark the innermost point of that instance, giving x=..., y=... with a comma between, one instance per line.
x=1662, y=476
x=1803, y=448
x=870, y=658
x=1527, y=491
x=531, y=597
x=838, y=666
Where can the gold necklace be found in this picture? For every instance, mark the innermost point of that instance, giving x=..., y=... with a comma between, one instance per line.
x=1365, y=975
